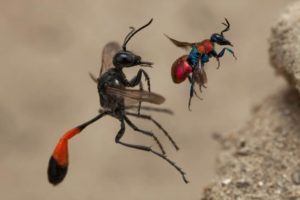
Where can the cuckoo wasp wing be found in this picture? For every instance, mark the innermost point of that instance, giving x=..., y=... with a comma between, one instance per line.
x=200, y=76
x=184, y=45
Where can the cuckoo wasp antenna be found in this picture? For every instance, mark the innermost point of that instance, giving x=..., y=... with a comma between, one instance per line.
x=116, y=96
x=227, y=24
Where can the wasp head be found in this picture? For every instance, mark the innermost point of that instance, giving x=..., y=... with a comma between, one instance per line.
x=128, y=59
x=220, y=38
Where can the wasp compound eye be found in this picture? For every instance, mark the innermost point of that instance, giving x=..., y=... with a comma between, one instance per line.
x=126, y=59
x=123, y=59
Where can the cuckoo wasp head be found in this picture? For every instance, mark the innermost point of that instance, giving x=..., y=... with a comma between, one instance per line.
x=220, y=38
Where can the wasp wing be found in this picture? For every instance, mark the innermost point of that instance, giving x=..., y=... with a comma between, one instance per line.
x=132, y=96
x=108, y=52
x=200, y=77
x=180, y=44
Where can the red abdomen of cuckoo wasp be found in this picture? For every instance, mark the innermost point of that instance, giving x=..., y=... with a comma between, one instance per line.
x=180, y=69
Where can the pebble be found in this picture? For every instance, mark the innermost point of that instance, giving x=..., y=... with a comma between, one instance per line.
x=226, y=181
x=296, y=177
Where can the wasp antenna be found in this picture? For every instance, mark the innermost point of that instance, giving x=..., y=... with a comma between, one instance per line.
x=226, y=20
x=227, y=24
x=133, y=32
x=126, y=37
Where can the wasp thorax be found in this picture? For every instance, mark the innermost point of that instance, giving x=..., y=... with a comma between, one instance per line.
x=126, y=59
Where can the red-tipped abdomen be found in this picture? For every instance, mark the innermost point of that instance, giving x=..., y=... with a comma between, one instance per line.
x=56, y=172
x=180, y=69
x=58, y=163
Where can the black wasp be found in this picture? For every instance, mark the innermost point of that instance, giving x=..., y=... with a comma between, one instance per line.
x=116, y=99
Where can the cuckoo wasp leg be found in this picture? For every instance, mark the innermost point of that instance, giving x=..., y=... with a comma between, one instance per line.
x=196, y=94
x=145, y=148
x=58, y=163
x=192, y=91
x=134, y=127
x=148, y=117
x=221, y=53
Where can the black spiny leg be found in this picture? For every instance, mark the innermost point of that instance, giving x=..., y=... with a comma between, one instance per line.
x=145, y=148
x=134, y=127
x=148, y=117
x=120, y=135
x=140, y=102
x=137, y=79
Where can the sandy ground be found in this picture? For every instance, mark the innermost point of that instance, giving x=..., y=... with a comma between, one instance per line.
x=261, y=160
x=47, y=49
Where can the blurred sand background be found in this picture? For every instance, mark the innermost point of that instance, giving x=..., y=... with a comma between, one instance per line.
x=47, y=49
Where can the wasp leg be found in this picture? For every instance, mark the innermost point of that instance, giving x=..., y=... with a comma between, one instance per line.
x=196, y=94
x=191, y=95
x=134, y=127
x=137, y=79
x=221, y=53
x=58, y=163
x=192, y=91
x=145, y=148
x=148, y=117
x=200, y=88
x=140, y=102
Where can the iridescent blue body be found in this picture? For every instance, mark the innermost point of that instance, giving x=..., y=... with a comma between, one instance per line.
x=194, y=56
x=192, y=65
